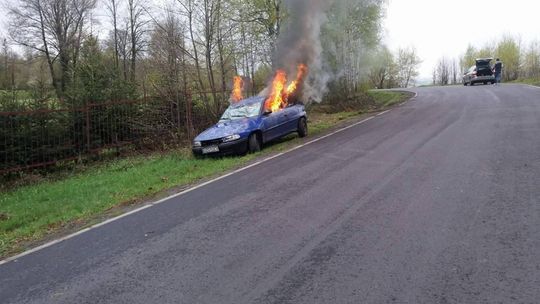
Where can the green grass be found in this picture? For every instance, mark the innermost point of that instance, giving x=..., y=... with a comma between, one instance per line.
x=531, y=81
x=389, y=98
x=31, y=213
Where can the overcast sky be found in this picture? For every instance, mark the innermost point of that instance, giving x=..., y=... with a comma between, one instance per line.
x=445, y=27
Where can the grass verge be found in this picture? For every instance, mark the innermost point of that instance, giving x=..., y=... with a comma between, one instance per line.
x=32, y=213
x=530, y=81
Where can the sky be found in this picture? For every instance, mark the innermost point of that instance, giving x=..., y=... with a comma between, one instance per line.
x=439, y=28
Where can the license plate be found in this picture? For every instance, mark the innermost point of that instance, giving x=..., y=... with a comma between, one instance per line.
x=211, y=149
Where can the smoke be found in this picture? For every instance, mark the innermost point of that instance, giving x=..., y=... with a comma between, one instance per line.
x=300, y=43
x=333, y=38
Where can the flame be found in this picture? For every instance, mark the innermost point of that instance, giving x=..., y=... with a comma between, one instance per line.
x=300, y=74
x=238, y=86
x=280, y=91
x=276, y=101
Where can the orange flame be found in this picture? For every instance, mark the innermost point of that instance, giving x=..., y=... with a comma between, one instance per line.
x=238, y=86
x=276, y=101
x=300, y=74
x=280, y=93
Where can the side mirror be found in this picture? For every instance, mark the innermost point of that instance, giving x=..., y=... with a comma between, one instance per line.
x=267, y=113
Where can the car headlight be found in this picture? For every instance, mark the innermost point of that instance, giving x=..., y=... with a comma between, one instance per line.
x=231, y=138
x=197, y=144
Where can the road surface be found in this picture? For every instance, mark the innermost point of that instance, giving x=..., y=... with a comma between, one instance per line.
x=436, y=201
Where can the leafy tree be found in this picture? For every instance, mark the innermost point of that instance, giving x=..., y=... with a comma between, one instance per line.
x=353, y=30
x=96, y=79
x=509, y=51
x=531, y=61
x=468, y=59
x=383, y=72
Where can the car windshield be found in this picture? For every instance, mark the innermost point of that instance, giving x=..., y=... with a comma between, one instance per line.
x=243, y=111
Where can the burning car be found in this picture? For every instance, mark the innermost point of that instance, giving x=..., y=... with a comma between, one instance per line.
x=250, y=123
x=246, y=126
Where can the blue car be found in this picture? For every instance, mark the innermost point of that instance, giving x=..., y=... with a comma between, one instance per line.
x=246, y=127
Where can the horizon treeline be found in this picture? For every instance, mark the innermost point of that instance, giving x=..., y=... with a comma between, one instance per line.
x=521, y=60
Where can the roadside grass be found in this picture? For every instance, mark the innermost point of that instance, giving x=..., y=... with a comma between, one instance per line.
x=34, y=211
x=531, y=81
x=389, y=98
x=52, y=206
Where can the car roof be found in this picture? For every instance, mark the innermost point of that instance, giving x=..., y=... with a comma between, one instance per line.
x=484, y=59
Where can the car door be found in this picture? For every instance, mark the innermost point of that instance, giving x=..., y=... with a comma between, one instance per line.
x=271, y=126
x=290, y=119
x=283, y=119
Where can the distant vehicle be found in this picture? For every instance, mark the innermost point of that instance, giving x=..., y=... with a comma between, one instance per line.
x=246, y=126
x=481, y=72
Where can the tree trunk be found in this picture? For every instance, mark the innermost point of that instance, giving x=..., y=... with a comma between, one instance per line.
x=196, y=55
x=221, y=60
x=133, y=40
x=59, y=92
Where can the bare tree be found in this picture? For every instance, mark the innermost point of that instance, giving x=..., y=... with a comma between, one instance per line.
x=442, y=72
x=4, y=69
x=210, y=17
x=123, y=49
x=408, y=62
x=112, y=6
x=454, y=71
x=204, y=22
x=137, y=30
x=53, y=28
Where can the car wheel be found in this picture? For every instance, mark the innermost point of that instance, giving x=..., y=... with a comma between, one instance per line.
x=302, y=127
x=471, y=84
x=254, y=145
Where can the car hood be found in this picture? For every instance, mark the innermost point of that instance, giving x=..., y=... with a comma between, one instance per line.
x=224, y=129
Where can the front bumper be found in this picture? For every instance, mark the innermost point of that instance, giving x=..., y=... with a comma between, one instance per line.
x=229, y=148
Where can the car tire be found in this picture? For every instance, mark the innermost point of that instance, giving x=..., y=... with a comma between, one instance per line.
x=254, y=144
x=471, y=84
x=302, y=127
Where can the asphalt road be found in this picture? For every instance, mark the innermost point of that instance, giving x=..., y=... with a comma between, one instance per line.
x=437, y=201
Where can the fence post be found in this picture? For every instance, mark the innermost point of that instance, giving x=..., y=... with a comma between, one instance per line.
x=189, y=118
x=87, y=127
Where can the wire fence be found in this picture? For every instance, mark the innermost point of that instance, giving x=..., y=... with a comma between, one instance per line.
x=45, y=137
